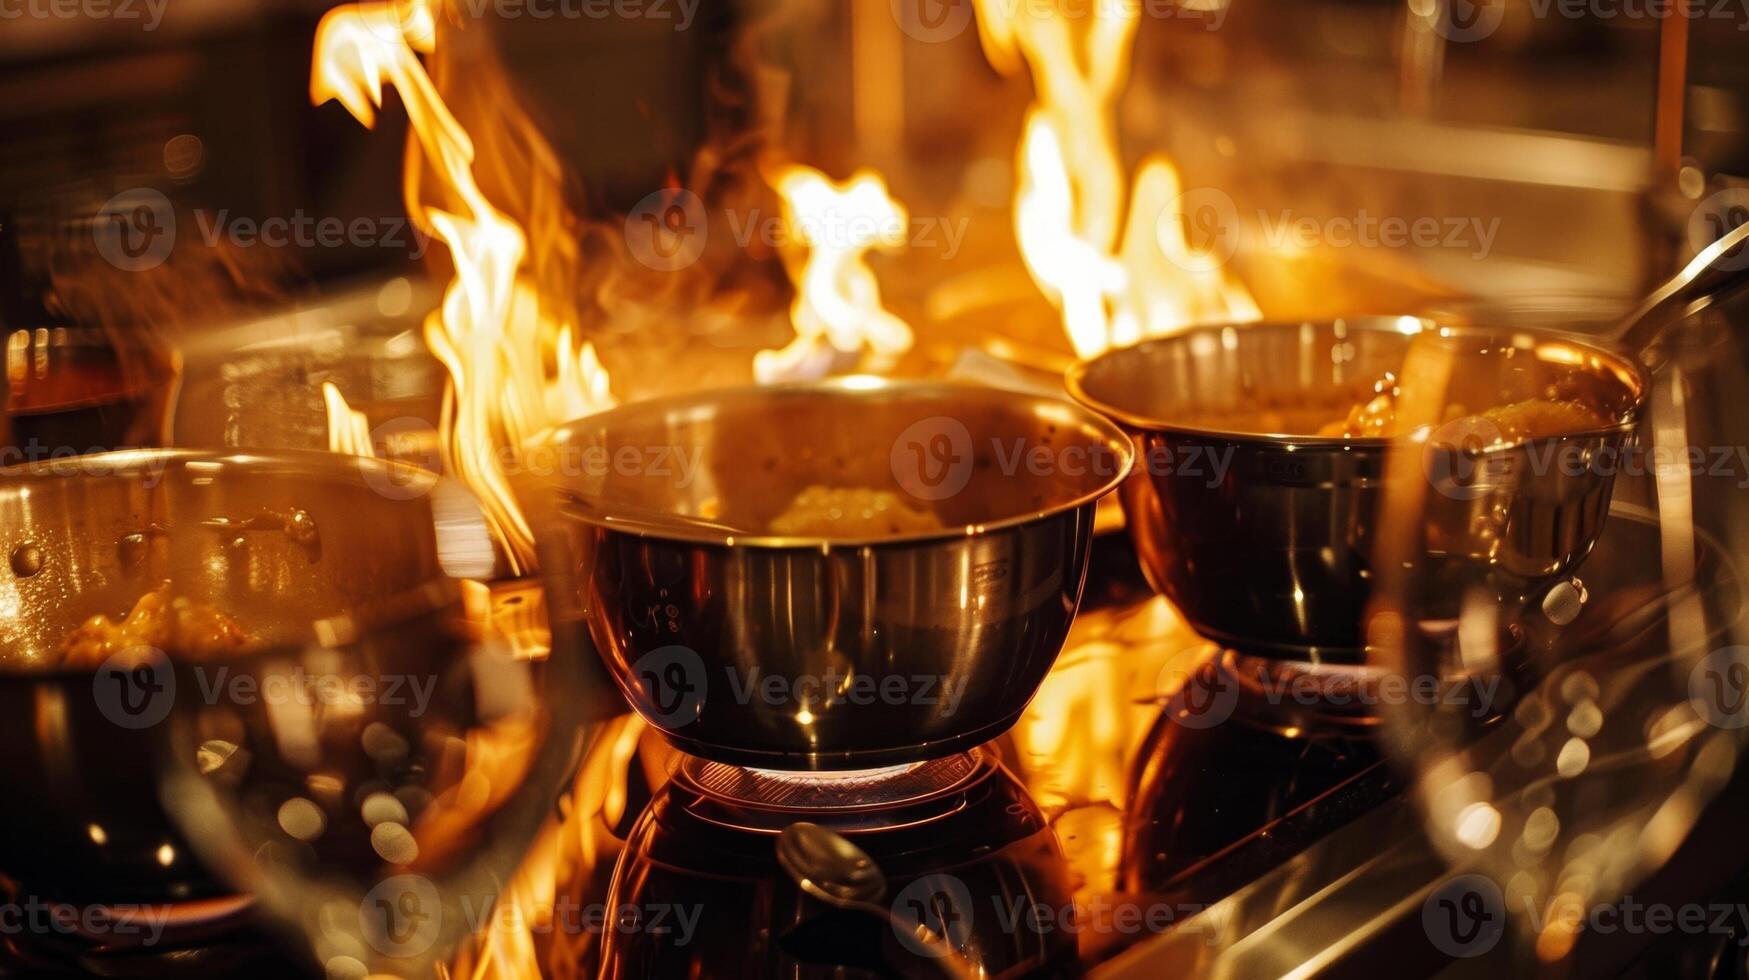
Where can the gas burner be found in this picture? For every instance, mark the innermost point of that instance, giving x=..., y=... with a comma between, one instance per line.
x=765, y=800
x=958, y=841
x=840, y=777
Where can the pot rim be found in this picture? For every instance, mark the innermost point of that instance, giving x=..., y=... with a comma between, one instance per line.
x=1628, y=371
x=1112, y=437
x=155, y=462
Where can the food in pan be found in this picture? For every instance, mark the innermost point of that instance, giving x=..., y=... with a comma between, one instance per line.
x=1532, y=418
x=158, y=620
x=1538, y=419
x=1371, y=413
x=852, y=512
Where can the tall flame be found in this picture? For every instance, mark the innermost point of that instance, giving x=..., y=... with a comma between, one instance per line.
x=348, y=429
x=513, y=371
x=1115, y=277
x=837, y=308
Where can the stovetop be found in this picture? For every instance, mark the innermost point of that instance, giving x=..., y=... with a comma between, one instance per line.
x=1123, y=826
x=1128, y=825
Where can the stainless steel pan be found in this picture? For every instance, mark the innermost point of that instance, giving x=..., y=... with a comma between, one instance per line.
x=1264, y=537
x=325, y=559
x=828, y=650
x=1263, y=540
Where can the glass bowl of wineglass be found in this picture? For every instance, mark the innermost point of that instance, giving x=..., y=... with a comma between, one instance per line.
x=1564, y=752
x=340, y=723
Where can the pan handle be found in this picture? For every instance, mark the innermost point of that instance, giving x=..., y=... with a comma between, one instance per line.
x=1710, y=274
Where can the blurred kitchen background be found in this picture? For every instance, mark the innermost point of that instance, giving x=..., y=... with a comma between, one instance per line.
x=1544, y=132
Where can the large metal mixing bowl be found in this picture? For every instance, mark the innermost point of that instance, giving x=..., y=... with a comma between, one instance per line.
x=1264, y=540
x=827, y=651
x=308, y=550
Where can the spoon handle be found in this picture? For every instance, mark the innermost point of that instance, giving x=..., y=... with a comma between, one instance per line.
x=1708, y=274
x=944, y=959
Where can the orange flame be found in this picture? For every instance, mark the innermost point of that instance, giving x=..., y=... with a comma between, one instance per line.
x=1069, y=200
x=506, y=946
x=513, y=371
x=1081, y=736
x=837, y=308
x=565, y=858
x=348, y=429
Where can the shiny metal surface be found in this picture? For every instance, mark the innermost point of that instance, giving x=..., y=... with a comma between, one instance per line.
x=91, y=535
x=951, y=866
x=829, y=867
x=113, y=526
x=1130, y=790
x=831, y=651
x=826, y=865
x=1709, y=275
x=1264, y=541
x=1354, y=902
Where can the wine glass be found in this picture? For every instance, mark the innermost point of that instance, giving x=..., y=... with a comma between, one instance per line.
x=376, y=759
x=1563, y=753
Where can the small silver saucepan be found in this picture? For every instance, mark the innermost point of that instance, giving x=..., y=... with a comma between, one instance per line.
x=1262, y=535
x=203, y=778
x=833, y=646
x=302, y=548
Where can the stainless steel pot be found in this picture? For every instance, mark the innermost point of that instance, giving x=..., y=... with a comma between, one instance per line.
x=311, y=552
x=1265, y=537
x=1264, y=540
x=828, y=650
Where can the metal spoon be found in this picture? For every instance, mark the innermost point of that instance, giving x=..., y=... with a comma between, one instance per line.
x=835, y=871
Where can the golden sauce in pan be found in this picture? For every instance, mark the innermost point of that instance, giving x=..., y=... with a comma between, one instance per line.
x=159, y=620
x=1372, y=414
x=1517, y=422
x=822, y=511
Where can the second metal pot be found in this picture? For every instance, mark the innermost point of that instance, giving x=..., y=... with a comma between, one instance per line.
x=1264, y=539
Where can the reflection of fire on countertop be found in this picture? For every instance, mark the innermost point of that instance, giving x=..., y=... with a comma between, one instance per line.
x=1076, y=745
